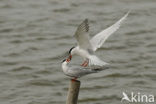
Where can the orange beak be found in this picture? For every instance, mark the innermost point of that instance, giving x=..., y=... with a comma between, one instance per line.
x=69, y=58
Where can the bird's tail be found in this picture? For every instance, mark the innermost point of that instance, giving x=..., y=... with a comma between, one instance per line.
x=95, y=61
x=100, y=68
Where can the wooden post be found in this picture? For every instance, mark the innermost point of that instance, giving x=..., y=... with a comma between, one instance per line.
x=73, y=92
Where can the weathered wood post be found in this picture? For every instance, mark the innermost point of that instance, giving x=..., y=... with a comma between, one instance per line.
x=73, y=92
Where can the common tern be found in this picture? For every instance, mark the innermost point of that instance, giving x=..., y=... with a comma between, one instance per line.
x=78, y=71
x=86, y=47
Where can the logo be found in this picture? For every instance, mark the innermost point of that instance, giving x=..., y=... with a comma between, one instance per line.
x=137, y=97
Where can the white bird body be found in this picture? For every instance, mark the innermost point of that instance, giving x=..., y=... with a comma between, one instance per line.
x=79, y=71
x=81, y=52
x=86, y=47
x=93, y=60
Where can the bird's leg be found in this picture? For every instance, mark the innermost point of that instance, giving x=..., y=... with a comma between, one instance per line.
x=74, y=79
x=85, y=63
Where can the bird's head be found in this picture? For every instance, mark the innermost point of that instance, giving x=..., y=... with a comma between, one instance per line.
x=66, y=60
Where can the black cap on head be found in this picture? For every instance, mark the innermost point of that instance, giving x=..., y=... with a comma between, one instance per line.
x=71, y=50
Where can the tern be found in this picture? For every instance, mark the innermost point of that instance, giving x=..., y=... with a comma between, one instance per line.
x=86, y=46
x=78, y=71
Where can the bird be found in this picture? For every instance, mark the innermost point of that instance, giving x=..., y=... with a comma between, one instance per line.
x=86, y=47
x=78, y=71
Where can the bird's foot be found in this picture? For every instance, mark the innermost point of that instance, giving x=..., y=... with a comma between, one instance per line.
x=85, y=64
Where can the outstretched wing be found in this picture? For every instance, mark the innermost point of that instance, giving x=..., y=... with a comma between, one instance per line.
x=101, y=37
x=82, y=35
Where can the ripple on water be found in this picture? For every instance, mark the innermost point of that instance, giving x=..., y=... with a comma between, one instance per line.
x=41, y=82
x=61, y=10
x=36, y=36
x=22, y=68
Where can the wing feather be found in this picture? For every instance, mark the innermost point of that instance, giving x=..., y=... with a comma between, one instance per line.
x=82, y=35
x=101, y=37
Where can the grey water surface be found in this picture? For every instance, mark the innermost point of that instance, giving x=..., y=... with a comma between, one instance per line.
x=35, y=36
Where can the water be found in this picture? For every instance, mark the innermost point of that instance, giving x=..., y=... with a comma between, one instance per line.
x=36, y=34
